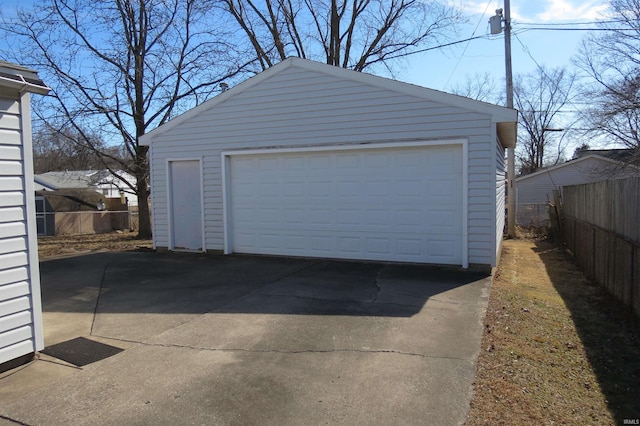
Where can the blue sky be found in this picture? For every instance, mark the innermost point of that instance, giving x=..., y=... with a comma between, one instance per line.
x=444, y=69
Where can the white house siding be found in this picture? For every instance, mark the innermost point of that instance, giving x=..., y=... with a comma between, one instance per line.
x=20, y=311
x=534, y=191
x=500, y=195
x=302, y=107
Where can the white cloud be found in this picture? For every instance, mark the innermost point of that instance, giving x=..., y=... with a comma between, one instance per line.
x=568, y=10
x=478, y=7
x=543, y=11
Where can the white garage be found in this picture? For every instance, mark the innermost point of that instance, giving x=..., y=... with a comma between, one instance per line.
x=400, y=203
x=307, y=159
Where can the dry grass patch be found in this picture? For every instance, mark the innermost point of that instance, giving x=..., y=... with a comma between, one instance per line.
x=556, y=349
x=77, y=244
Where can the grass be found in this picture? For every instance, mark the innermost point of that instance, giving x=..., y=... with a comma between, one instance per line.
x=556, y=349
x=76, y=244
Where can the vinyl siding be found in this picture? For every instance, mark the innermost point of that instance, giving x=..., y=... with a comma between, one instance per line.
x=301, y=107
x=538, y=187
x=501, y=180
x=20, y=327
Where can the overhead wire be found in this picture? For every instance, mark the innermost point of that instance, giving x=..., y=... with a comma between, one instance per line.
x=468, y=42
x=542, y=70
x=517, y=30
x=571, y=23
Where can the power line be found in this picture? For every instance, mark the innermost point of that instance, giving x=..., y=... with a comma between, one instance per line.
x=578, y=29
x=518, y=30
x=572, y=23
x=440, y=46
x=467, y=45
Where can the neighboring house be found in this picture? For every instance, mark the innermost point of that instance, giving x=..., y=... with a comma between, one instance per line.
x=20, y=306
x=103, y=181
x=534, y=191
x=53, y=208
x=308, y=159
x=624, y=155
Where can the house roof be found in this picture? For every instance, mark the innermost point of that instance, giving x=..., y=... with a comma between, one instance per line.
x=67, y=179
x=22, y=79
x=71, y=200
x=505, y=118
x=570, y=163
x=43, y=184
x=622, y=155
x=77, y=178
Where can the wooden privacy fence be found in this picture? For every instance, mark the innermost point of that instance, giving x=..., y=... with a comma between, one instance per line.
x=601, y=226
x=86, y=222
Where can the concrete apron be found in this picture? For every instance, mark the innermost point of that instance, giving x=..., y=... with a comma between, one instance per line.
x=254, y=340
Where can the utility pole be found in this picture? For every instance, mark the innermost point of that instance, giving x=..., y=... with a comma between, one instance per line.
x=511, y=155
x=496, y=28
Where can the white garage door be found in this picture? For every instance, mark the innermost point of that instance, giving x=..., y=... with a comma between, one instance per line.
x=397, y=204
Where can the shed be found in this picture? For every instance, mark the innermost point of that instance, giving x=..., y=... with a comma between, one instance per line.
x=534, y=191
x=20, y=307
x=308, y=159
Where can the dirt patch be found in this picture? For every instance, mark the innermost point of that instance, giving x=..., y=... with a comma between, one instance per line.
x=556, y=349
x=77, y=244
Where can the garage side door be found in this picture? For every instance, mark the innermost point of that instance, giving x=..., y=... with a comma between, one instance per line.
x=186, y=205
x=399, y=204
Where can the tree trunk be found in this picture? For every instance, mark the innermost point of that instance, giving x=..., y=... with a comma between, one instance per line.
x=142, y=189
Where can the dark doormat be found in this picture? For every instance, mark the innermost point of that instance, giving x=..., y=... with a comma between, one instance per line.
x=81, y=351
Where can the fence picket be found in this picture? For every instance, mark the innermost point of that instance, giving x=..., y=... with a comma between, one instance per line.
x=601, y=227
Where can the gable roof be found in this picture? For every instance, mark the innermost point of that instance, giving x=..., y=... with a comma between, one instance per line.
x=78, y=178
x=67, y=178
x=572, y=163
x=505, y=118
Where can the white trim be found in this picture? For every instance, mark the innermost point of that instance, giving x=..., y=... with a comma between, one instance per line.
x=32, y=231
x=171, y=245
x=348, y=147
x=226, y=205
x=202, y=211
x=154, y=228
x=23, y=86
x=498, y=113
x=465, y=204
x=226, y=178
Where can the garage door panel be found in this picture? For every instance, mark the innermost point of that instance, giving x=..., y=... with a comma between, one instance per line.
x=376, y=204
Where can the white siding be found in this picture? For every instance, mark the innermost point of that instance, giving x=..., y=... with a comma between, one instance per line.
x=302, y=107
x=20, y=321
x=538, y=187
x=535, y=190
x=501, y=181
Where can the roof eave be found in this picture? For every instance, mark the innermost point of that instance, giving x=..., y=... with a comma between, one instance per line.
x=22, y=85
x=507, y=133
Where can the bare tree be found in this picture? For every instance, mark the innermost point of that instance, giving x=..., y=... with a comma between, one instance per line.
x=612, y=60
x=352, y=34
x=539, y=97
x=119, y=68
x=481, y=87
x=64, y=149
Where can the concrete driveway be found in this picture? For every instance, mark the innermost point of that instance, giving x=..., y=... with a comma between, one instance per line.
x=253, y=340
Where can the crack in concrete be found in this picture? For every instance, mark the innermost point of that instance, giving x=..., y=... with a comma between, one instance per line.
x=9, y=419
x=342, y=300
x=305, y=351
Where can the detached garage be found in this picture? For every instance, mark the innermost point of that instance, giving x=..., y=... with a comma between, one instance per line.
x=307, y=159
